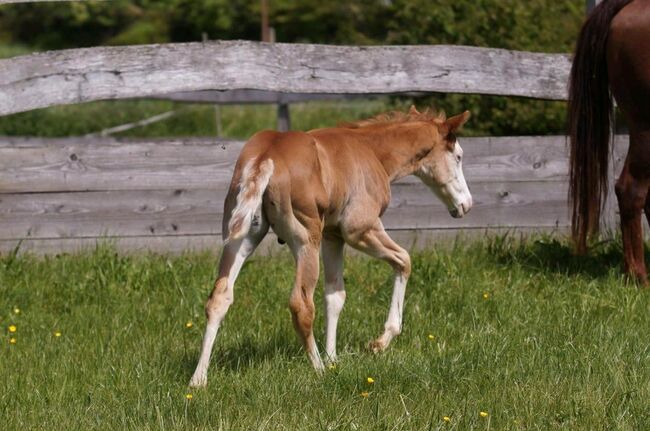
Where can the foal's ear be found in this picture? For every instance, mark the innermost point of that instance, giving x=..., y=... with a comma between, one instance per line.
x=456, y=122
x=413, y=110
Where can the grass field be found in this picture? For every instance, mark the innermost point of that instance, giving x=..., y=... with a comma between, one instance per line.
x=523, y=331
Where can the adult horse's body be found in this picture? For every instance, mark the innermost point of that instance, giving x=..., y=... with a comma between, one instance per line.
x=613, y=52
x=325, y=188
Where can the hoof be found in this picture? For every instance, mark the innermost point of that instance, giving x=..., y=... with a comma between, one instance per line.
x=198, y=382
x=376, y=346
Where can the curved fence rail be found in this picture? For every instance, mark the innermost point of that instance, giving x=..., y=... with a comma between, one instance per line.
x=81, y=75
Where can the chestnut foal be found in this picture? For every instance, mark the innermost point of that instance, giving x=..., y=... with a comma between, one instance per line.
x=321, y=189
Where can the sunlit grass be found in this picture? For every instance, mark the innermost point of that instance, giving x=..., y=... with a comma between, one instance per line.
x=498, y=334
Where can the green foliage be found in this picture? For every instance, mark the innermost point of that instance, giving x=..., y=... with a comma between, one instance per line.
x=535, y=25
x=238, y=121
x=560, y=342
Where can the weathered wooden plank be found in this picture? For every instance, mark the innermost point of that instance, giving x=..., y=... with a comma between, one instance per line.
x=35, y=165
x=81, y=75
x=107, y=164
x=196, y=212
x=516, y=204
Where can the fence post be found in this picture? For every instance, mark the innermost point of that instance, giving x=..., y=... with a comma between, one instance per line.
x=284, y=121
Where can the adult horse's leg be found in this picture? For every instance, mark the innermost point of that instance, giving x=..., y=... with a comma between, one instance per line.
x=301, y=301
x=376, y=242
x=632, y=192
x=233, y=257
x=647, y=208
x=334, y=291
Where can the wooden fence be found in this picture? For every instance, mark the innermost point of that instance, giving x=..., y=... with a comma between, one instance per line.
x=167, y=195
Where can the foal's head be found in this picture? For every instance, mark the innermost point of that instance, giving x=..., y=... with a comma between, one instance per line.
x=442, y=168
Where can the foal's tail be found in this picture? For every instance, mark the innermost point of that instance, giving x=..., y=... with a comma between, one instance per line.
x=590, y=116
x=254, y=181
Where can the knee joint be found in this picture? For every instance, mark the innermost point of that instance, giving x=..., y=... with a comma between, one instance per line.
x=630, y=196
x=404, y=266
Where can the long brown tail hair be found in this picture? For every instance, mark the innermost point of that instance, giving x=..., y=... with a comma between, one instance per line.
x=590, y=116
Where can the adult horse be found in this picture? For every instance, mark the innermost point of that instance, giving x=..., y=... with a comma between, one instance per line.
x=325, y=188
x=613, y=52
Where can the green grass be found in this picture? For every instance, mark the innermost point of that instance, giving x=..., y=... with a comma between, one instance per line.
x=238, y=121
x=561, y=342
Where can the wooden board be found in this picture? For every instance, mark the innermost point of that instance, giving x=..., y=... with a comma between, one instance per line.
x=169, y=193
x=200, y=211
x=36, y=165
x=81, y=75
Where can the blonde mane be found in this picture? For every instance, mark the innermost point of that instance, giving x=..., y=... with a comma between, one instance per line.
x=396, y=117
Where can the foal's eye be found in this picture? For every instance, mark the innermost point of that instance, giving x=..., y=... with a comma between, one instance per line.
x=458, y=158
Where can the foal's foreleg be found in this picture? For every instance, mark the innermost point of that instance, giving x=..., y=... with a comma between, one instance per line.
x=301, y=301
x=334, y=291
x=377, y=243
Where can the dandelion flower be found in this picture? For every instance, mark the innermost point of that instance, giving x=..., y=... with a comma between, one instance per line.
x=188, y=396
x=16, y=310
x=370, y=380
x=332, y=366
x=12, y=340
x=486, y=295
x=446, y=419
x=57, y=334
x=483, y=414
x=188, y=325
x=431, y=337
x=12, y=328
x=364, y=394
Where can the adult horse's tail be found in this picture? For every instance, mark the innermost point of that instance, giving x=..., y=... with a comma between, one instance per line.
x=590, y=116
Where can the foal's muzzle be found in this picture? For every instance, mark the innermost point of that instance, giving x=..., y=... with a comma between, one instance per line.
x=462, y=209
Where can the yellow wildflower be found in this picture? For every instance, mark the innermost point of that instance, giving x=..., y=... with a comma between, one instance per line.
x=483, y=414
x=332, y=366
x=446, y=419
x=16, y=310
x=188, y=325
x=431, y=337
x=188, y=396
x=364, y=394
x=370, y=380
x=12, y=340
x=57, y=334
x=486, y=295
x=12, y=328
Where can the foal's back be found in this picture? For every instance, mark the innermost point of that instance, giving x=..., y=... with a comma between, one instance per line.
x=316, y=174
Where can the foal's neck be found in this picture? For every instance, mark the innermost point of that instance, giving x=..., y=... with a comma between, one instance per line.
x=399, y=147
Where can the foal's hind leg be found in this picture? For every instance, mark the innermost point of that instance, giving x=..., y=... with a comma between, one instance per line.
x=301, y=301
x=376, y=242
x=233, y=257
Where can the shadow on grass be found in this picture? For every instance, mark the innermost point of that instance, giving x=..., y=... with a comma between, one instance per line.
x=553, y=255
x=249, y=352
